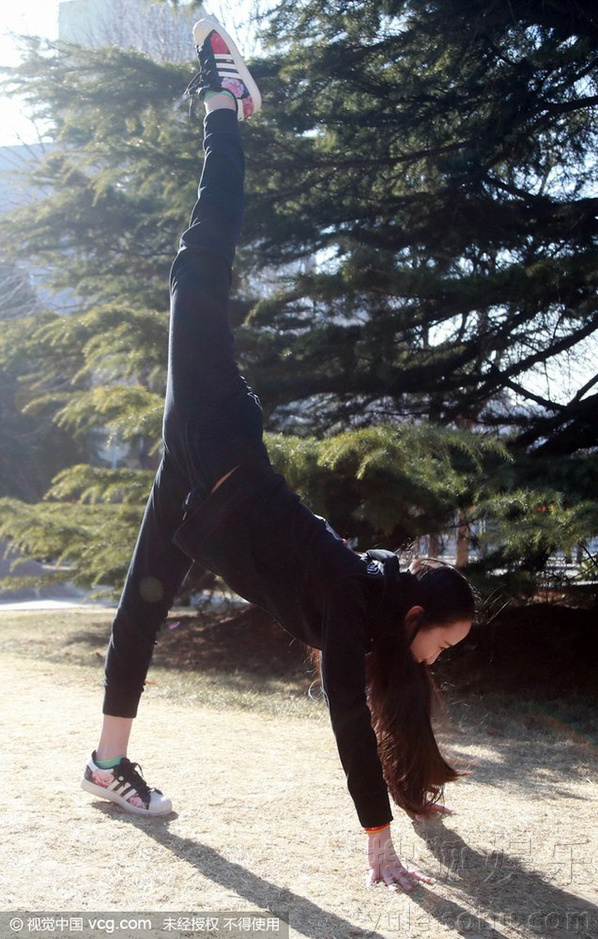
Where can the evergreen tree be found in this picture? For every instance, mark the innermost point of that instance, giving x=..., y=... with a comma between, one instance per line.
x=437, y=163
x=32, y=449
x=419, y=233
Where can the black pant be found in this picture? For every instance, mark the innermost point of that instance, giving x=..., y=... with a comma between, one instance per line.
x=212, y=419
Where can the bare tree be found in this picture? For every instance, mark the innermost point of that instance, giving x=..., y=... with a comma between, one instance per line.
x=17, y=295
x=162, y=30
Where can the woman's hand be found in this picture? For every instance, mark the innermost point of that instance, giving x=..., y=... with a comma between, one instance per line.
x=385, y=866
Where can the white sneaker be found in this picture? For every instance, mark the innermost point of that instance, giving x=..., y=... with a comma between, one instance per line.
x=222, y=68
x=125, y=786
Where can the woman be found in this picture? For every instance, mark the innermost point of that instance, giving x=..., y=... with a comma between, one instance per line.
x=217, y=500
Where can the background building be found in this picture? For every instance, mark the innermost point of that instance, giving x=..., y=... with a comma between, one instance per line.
x=161, y=31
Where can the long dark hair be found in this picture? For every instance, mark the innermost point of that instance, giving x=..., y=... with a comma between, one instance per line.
x=400, y=690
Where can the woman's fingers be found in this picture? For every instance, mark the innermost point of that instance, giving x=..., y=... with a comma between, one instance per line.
x=400, y=879
x=396, y=876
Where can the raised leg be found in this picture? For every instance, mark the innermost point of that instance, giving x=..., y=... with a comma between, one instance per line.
x=212, y=419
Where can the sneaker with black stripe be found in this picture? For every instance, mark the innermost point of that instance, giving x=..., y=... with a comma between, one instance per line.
x=124, y=785
x=222, y=68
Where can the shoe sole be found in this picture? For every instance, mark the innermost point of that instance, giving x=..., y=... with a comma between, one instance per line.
x=202, y=30
x=109, y=796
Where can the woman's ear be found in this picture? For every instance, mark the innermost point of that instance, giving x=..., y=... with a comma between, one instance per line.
x=413, y=619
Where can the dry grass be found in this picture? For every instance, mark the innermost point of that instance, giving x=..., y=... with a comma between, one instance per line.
x=263, y=819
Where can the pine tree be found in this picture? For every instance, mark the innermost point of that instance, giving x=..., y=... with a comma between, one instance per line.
x=419, y=232
x=32, y=449
x=436, y=162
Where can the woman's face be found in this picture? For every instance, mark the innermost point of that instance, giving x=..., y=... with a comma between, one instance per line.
x=430, y=641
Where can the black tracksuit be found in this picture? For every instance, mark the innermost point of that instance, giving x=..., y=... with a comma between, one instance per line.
x=252, y=530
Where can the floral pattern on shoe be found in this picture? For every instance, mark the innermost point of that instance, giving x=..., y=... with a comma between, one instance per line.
x=105, y=778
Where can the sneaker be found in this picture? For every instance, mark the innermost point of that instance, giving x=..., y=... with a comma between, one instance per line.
x=124, y=785
x=222, y=68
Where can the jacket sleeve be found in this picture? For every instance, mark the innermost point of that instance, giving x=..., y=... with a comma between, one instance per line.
x=344, y=648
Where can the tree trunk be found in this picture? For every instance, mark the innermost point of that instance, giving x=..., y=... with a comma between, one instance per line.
x=462, y=540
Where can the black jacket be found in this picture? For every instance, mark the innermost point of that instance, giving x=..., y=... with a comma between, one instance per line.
x=258, y=536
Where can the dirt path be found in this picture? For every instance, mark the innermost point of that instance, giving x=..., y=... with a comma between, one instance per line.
x=264, y=823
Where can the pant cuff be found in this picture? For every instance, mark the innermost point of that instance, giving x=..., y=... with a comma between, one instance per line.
x=119, y=703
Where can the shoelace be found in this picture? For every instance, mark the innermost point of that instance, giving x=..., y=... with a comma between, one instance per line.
x=127, y=771
x=207, y=72
x=194, y=86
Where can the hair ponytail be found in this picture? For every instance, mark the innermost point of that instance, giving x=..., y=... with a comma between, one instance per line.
x=400, y=690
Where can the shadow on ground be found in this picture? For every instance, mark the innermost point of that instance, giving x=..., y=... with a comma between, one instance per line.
x=306, y=917
x=483, y=878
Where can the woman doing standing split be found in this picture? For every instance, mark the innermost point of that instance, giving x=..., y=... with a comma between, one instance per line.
x=217, y=500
